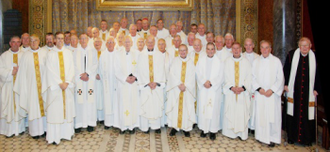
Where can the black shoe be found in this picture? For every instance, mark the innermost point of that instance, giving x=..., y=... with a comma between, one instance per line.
x=158, y=131
x=147, y=132
x=44, y=135
x=78, y=130
x=195, y=126
x=173, y=132
x=271, y=144
x=106, y=127
x=90, y=129
x=132, y=131
x=203, y=135
x=252, y=132
x=101, y=122
x=186, y=133
x=213, y=136
x=54, y=143
x=240, y=138
x=290, y=141
x=122, y=132
x=36, y=137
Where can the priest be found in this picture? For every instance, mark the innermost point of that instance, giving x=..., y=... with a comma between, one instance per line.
x=209, y=75
x=127, y=87
x=98, y=88
x=302, y=85
x=237, y=88
x=267, y=85
x=85, y=63
x=28, y=86
x=151, y=83
x=57, y=89
x=11, y=114
x=180, y=108
x=107, y=77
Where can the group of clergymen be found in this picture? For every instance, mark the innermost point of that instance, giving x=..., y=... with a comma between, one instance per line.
x=147, y=77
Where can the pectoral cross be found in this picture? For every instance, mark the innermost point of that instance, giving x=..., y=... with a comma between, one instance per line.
x=79, y=91
x=126, y=113
x=90, y=91
x=134, y=63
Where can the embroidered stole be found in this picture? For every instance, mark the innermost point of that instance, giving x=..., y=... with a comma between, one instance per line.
x=151, y=68
x=62, y=75
x=180, y=109
x=38, y=80
x=236, y=75
x=15, y=60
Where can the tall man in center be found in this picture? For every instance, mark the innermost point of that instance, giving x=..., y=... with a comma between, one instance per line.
x=151, y=83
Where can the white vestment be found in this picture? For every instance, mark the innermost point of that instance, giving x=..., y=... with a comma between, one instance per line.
x=209, y=99
x=109, y=92
x=123, y=30
x=60, y=111
x=202, y=38
x=11, y=114
x=99, y=90
x=162, y=34
x=85, y=60
x=152, y=101
x=134, y=39
x=26, y=87
x=127, y=94
x=104, y=34
x=180, y=108
x=143, y=33
x=267, y=73
x=251, y=56
x=237, y=107
x=167, y=64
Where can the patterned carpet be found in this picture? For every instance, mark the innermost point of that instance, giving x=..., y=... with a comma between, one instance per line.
x=110, y=140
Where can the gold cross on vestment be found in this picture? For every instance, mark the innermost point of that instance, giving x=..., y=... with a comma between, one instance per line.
x=126, y=113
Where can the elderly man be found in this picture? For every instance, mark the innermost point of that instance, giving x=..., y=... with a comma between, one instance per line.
x=174, y=49
x=25, y=39
x=237, y=88
x=169, y=39
x=11, y=120
x=302, y=86
x=268, y=83
x=85, y=63
x=181, y=91
x=151, y=83
x=104, y=30
x=107, y=77
x=229, y=40
x=201, y=33
x=190, y=41
x=74, y=43
x=28, y=87
x=198, y=51
x=221, y=52
x=145, y=28
x=123, y=26
x=133, y=34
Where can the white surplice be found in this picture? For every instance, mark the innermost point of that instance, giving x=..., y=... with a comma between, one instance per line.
x=188, y=116
x=251, y=56
x=209, y=99
x=237, y=107
x=163, y=33
x=108, y=79
x=152, y=101
x=127, y=94
x=85, y=60
x=11, y=114
x=267, y=73
x=26, y=88
x=99, y=96
x=60, y=123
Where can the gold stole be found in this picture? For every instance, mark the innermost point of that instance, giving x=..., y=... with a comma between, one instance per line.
x=15, y=60
x=103, y=36
x=151, y=68
x=98, y=54
x=145, y=35
x=124, y=32
x=38, y=79
x=236, y=75
x=176, y=53
x=183, y=77
x=195, y=62
x=62, y=75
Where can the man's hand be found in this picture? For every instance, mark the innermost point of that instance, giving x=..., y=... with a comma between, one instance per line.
x=237, y=90
x=152, y=85
x=84, y=76
x=98, y=77
x=182, y=87
x=15, y=70
x=207, y=84
x=286, y=88
x=130, y=79
x=63, y=85
x=268, y=93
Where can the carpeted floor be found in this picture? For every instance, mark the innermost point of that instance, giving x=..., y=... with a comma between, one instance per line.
x=110, y=140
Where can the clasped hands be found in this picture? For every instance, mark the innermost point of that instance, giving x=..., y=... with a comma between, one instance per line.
x=130, y=79
x=267, y=93
x=207, y=84
x=84, y=76
x=15, y=70
x=237, y=90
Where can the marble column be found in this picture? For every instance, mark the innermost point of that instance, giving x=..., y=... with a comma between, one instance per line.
x=284, y=28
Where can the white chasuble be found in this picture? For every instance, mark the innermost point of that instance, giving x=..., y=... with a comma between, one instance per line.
x=85, y=61
x=267, y=73
x=151, y=68
x=237, y=106
x=180, y=108
x=109, y=83
x=98, y=89
x=209, y=99
x=128, y=94
x=28, y=86
x=59, y=104
x=11, y=114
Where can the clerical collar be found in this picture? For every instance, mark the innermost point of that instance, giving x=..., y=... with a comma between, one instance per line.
x=35, y=50
x=150, y=50
x=14, y=52
x=210, y=57
x=127, y=52
x=184, y=59
x=160, y=30
x=304, y=55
